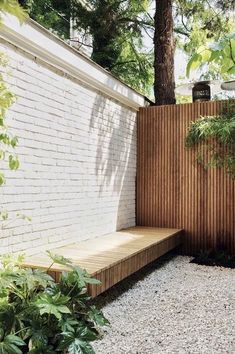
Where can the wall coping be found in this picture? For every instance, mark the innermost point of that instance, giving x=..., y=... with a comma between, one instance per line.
x=39, y=42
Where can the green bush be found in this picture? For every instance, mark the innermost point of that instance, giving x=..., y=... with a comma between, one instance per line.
x=39, y=316
x=216, y=136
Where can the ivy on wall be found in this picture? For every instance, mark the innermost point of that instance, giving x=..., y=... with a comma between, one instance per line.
x=7, y=141
x=7, y=98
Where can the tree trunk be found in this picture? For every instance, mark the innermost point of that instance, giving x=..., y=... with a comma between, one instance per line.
x=164, y=85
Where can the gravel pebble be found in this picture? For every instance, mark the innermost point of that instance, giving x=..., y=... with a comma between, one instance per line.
x=173, y=306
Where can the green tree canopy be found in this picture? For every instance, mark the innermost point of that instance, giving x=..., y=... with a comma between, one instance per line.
x=117, y=30
x=52, y=14
x=220, y=54
x=200, y=24
x=118, y=27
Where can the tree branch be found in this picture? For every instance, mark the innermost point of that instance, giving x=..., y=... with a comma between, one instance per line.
x=84, y=44
x=179, y=31
x=139, y=22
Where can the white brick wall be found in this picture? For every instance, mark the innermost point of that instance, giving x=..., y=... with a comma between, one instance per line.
x=77, y=149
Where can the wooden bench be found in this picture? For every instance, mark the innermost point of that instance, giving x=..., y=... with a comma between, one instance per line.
x=113, y=257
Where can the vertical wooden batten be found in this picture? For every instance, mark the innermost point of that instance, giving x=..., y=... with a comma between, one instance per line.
x=173, y=190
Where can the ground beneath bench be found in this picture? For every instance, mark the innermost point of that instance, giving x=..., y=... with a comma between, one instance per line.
x=173, y=306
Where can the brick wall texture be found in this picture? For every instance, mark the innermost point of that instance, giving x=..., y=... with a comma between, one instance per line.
x=77, y=149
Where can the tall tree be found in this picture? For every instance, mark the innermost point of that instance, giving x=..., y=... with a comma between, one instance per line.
x=52, y=14
x=164, y=84
x=195, y=23
x=116, y=27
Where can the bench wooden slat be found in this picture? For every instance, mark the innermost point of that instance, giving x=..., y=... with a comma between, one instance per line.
x=113, y=257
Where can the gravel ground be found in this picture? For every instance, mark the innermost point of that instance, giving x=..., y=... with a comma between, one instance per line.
x=173, y=306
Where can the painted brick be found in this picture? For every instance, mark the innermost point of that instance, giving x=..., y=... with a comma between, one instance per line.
x=78, y=159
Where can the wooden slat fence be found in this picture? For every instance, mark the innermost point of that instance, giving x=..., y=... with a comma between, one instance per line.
x=173, y=190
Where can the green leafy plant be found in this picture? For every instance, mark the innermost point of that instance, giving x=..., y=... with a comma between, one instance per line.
x=12, y=7
x=215, y=137
x=7, y=98
x=215, y=257
x=221, y=54
x=8, y=142
x=39, y=316
x=116, y=28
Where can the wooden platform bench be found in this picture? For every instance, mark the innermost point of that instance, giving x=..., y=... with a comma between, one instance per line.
x=113, y=257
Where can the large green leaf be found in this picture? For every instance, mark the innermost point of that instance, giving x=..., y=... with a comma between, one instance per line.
x=68, y=324
x=222, y=54
x=59, y=259
x=194, y=63
x=34, y=279
x=7, y=278
x=80, y=347
x=53, y=305
x=10, y=345
x=97, y=317
x=78, y=342
x=14, y=162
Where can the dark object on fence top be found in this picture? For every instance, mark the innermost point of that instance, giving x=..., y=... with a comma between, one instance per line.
x=200, y=91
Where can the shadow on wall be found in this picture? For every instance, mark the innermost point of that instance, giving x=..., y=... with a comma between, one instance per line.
x=114, y=127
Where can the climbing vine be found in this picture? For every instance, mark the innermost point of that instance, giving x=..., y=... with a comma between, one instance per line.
x=7, y=141
x=215, y=138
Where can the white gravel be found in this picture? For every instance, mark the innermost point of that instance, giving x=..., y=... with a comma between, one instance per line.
x=171, y=307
